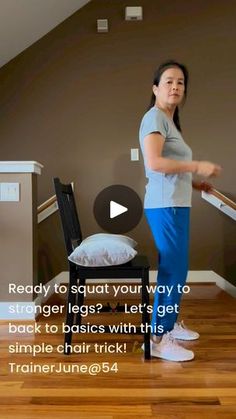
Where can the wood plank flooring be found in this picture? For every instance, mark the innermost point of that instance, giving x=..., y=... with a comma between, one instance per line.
x=202, y=388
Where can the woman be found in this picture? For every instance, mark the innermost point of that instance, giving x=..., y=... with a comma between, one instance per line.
x=169, y=168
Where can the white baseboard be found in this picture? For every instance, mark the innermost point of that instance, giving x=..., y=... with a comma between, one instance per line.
x=193, y=277
x=5, y=309
x=5, y=306
x=63, y=278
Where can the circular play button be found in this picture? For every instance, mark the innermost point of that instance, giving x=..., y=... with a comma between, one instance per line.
x=118, y=209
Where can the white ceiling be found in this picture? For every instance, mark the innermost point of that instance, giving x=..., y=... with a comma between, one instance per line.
x=23, y=22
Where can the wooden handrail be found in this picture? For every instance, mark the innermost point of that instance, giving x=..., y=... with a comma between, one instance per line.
x=49, y=202
x=223, y=198
x=213, y=191
x=46, y=204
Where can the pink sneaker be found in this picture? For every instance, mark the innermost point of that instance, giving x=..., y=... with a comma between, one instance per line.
x=181, y=332
x=170, y=350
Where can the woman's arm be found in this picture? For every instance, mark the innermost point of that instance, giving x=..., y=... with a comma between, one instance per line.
x=153, y=146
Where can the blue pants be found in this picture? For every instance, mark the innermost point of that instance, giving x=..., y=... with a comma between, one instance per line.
x=170, y=230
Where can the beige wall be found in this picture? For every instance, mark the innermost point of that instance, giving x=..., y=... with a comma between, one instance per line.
x=73, y=101
x=18, y=241
x=51, y=252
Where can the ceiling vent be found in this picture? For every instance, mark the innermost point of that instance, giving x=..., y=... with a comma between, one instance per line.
x=133, y=13
x=102, y=25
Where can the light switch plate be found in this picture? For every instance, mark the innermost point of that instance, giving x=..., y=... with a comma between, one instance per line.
x=9, y=192
x=134, y=154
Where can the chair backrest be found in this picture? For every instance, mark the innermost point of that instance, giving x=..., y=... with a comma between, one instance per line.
x=69, y=216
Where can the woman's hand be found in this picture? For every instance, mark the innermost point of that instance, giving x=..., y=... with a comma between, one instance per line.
x=207, y=169
x=202, y=186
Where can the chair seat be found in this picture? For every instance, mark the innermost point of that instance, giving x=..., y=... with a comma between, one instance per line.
x=138, y=262
x=132, y=269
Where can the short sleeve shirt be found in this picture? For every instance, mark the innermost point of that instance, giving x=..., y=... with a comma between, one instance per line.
x=163, y=189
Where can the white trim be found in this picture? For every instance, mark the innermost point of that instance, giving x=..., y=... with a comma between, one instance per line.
x=63, y=278
x=4, y=306
x=5, y=315
x=20, y=167
x=193, y=277
x=219, y=204
x=41, y=299
x=47, y=211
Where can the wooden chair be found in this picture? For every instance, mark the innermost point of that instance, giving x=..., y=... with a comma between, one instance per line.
x=137, y=268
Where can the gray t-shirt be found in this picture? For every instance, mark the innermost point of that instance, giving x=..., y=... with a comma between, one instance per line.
x=166, y=190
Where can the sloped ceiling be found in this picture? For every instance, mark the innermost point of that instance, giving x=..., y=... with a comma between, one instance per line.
x=23, y=22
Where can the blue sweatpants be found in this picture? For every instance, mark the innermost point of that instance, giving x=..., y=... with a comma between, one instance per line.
x=170, y=230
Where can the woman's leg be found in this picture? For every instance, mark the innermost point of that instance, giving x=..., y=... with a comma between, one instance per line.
x=170, y=230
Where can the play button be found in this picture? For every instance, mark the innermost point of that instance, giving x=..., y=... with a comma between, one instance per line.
x=118, y=209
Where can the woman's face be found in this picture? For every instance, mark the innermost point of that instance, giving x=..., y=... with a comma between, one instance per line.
x=170, y=90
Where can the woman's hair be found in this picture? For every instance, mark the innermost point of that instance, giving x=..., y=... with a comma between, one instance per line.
x=157, y=75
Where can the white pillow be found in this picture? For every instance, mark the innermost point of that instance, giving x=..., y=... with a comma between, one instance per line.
x=108, y=236
x=104, y=250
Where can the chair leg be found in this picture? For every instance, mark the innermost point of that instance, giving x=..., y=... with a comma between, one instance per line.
x=80, y=302
x=71, y=299
x=145, y=315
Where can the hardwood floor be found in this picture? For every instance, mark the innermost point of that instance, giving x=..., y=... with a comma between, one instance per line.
x=202, y=388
